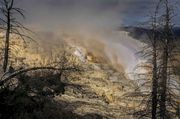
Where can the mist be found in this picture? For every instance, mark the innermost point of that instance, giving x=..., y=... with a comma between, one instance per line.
x=92, y=20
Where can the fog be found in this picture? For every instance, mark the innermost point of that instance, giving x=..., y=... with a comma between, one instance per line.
x=96, y=20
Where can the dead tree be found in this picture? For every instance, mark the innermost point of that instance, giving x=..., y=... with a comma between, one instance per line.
x=166, y=95
x=167, y=41
x=154, y=41
x=161, y=53
x=150, y=53
x=10, y=25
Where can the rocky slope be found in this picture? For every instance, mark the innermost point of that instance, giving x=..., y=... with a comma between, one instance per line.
x=95, y=93
x=98, y=91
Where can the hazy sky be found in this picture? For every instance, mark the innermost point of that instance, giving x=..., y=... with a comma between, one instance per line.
x=54, y=13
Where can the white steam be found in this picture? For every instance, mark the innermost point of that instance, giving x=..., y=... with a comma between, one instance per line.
x=93, y=20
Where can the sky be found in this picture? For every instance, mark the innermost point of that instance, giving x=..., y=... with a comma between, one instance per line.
x=52, y=14
x=93, y=19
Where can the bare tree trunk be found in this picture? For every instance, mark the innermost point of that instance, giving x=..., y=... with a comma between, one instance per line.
x=155, y=67
x=6, y=50
x=154, y=82
x=163, y=85
x=165, y=56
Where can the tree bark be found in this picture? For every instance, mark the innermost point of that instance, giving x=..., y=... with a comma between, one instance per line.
x=154, y=83
x=6, y=50
x=163, y=86
x=165, y=56
x=155, y=70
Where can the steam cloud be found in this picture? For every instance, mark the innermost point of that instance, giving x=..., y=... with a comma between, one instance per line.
x=91, y=19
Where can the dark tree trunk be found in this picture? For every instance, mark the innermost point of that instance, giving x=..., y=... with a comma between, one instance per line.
x=155, y=68
x=163, y=85
x=165, y=59
x=6, y=50
x=154, y=83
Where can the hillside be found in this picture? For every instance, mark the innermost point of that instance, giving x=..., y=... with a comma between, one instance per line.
x=95, y=93
x=99, y=91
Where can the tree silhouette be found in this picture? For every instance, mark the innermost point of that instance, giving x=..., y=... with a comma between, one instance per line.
x=161, y=53
x=11, y=26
